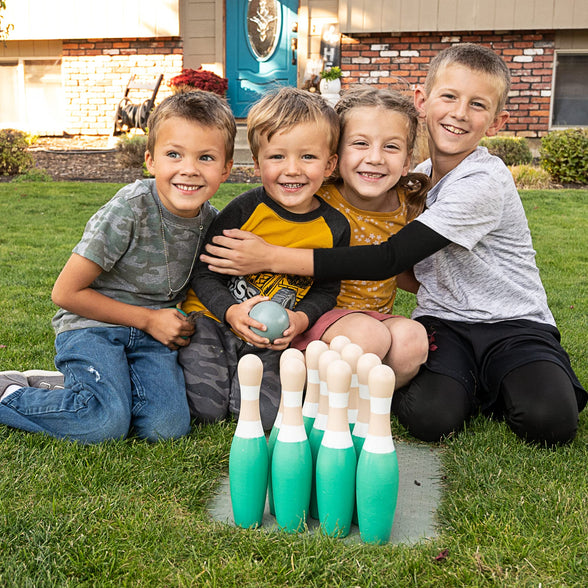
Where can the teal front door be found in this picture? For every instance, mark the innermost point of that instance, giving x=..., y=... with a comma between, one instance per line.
x=261, y=49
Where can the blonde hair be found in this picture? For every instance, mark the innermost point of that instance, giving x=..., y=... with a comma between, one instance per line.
x=283, y=108
x=475, y=57
x=416, y=185
x=204, y=108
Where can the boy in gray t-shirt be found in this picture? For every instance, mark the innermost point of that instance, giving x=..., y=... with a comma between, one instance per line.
x=118, y=329
x=494, y=343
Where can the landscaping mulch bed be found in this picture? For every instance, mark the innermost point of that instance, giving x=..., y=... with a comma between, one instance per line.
x=83, y=158
x=94, y=159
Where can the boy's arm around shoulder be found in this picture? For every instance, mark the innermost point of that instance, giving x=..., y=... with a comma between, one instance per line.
x=73, y=292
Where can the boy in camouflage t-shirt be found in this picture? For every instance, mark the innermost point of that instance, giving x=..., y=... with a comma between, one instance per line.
x=117, y=329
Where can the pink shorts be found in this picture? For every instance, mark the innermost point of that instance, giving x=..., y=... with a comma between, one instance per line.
x=328, y=319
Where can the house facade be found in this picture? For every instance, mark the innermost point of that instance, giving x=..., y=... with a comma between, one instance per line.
x=66, y=63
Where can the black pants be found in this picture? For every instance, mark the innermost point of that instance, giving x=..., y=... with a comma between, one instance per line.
x=537, y=400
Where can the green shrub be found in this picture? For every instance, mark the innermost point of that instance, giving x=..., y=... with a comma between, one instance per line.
x=564, y=154
x=14, y=157
x=131, y=150
x=529, y=177
x=512, y=150
x=35, y=174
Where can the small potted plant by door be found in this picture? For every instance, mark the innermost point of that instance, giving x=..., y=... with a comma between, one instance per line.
x=330, y=84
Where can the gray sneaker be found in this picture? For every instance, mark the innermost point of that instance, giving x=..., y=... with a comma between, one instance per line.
x=44, y=379
x=11, y=379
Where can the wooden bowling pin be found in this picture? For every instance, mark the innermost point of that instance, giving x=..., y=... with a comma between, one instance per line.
x=311, y=398
x=248, y=458
x=337, y=343
x=320, y=422
x=377, y=469
x=286, y=354
x=336, y=461
x=291, y=470
x=291, y=353
x=364, y=365
x=351, y=354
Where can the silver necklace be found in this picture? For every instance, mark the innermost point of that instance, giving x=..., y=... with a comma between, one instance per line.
x=171, y=291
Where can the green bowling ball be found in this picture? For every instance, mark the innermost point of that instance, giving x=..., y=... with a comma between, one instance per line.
x=273, y=316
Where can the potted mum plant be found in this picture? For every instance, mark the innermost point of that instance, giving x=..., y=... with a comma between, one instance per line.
x=199, y=79
x=330, y=84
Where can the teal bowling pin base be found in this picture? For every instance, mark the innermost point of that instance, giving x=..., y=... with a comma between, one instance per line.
x=315, y=438
x=308, y=423
x=335, y=489
x=248, y=477
x=271, y=442
x=377, y=494
x=358, y=444
x=291, y=483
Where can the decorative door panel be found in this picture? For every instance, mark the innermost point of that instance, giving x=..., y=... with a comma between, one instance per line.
x=261, y=49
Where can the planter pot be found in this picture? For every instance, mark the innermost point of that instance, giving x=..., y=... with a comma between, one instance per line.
x=331, y=90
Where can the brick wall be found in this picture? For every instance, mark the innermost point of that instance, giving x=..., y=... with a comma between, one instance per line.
x=385, y=60
x=95, y=74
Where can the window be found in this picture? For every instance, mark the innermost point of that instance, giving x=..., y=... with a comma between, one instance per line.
x=9, y=92
x=31, y=95
x=570, y=90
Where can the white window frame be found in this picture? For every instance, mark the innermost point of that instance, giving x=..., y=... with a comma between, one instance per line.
x=557, y=52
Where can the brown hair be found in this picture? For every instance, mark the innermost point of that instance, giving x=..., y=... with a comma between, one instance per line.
x=202, y=107
x=282, y=108
x=415, y=184
x=475, y=57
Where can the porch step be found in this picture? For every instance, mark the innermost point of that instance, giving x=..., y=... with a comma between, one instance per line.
x=242, y=152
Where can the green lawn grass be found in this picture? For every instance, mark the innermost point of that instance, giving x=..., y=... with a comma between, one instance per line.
x=131, y=513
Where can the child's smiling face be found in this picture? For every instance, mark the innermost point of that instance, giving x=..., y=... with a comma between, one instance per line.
x=460, y=109
x=373, y=155
x=294, y=163
x=189, y=164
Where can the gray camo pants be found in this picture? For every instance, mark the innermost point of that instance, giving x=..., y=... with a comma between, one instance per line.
x=210, y=370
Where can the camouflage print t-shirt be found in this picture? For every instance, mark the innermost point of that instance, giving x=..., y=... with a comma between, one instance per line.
x=125, y=239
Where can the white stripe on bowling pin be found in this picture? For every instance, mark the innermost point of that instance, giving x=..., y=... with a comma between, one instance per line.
x=351, y=354
x=250, y=372
x=364, y=364
x=311, y=401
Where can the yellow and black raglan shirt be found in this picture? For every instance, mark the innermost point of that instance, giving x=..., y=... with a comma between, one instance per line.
x=256, y=212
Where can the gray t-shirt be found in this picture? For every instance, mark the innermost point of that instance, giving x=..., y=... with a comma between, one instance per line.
x=125, y=239
x=488, y=271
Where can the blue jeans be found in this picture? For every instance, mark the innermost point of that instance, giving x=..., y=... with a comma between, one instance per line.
x=116, y=379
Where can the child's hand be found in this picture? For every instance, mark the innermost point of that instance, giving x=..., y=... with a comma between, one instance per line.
x=237, y=316
x=298, y=324
x=170, y=327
